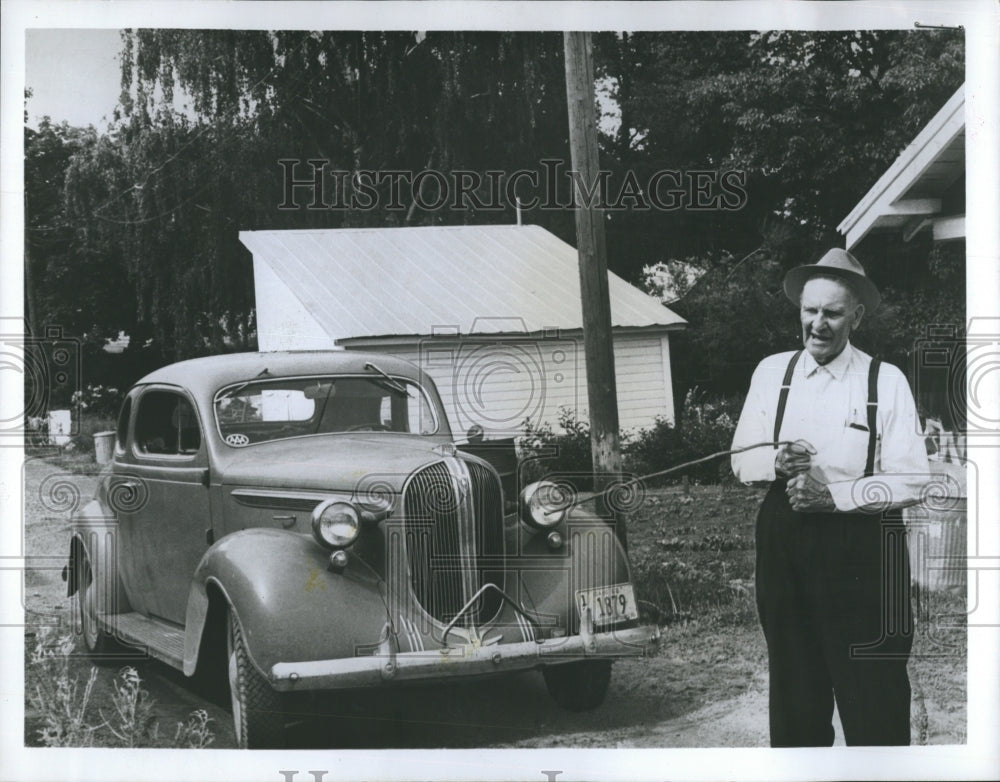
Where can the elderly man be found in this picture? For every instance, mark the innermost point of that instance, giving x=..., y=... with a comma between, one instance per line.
x=832, y=567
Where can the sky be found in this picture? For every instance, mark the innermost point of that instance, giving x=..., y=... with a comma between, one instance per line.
x=74, y=75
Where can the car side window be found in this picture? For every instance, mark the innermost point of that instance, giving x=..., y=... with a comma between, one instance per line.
x=166, y=425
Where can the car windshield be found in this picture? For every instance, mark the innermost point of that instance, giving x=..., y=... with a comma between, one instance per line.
x=272, y=409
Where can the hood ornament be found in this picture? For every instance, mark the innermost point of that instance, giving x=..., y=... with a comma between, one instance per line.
x=446, y=449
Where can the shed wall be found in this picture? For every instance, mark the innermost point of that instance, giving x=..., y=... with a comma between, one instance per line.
x=283, y=322
x=500, y=383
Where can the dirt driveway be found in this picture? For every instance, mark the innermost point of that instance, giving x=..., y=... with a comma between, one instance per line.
x=706, y=686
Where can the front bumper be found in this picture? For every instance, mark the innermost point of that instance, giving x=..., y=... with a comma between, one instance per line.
x=457, y=661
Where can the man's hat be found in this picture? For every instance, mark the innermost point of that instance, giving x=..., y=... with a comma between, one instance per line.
x=836, y=263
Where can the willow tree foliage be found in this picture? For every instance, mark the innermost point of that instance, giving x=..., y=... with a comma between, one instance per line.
x=206, y=116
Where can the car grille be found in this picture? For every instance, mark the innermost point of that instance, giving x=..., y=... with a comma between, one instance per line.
x=454, y=547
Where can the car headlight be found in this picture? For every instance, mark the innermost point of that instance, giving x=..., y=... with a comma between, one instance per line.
x=335, y=524
x=543, y=504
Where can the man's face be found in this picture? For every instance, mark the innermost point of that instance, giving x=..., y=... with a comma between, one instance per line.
x=829, y=312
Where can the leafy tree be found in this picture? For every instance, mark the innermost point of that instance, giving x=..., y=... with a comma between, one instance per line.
x=813, y=119
x=74, y=280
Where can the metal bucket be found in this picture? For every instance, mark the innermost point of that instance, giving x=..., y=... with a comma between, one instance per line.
x=104, y=445
x=936, y=530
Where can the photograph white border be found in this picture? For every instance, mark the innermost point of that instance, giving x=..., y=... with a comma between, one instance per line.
x=979, y=758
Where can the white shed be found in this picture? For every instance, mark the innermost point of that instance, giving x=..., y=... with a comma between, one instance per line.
x=492, y=313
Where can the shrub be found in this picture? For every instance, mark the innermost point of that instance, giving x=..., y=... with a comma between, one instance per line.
x=545, y=453
x=704, y=427
x=36, y=432
x=101, y=401
x=89, y=425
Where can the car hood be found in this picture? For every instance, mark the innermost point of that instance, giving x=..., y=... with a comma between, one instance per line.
x=341, y=462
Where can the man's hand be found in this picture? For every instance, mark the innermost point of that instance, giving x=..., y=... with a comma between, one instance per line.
x=807, y=495
x=793, y=459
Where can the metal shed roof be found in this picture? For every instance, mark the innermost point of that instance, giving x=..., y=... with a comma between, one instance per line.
x=491, y=279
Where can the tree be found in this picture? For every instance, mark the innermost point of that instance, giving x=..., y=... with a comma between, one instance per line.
x=74, y=280
x=186, y=182
x=810, y=120
x=813, y=119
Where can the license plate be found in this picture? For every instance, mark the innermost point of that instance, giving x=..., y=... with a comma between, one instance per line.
x=608, y=604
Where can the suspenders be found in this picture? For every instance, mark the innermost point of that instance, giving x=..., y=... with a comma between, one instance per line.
x=872, y=410
x=872, y=406
x=783, y=396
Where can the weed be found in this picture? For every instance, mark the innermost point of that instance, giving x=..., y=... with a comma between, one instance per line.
x=134, y=723
x=194, y=734
x=56, y=695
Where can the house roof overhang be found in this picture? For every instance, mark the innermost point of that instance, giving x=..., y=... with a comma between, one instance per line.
x=908, y=196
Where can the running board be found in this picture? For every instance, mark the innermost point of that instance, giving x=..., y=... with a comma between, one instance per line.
x=163, y=641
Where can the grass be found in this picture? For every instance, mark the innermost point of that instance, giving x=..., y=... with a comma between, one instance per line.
x=692, y=553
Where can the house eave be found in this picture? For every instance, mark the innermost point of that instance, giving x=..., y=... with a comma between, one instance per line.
x=887, y=204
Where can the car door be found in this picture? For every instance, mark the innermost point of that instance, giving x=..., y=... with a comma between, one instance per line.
x=169, y=528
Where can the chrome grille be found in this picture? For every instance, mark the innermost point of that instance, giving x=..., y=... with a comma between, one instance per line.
x=454, y=544
x=487, y=504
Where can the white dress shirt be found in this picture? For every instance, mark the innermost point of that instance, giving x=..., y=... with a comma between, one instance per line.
x=827, y=407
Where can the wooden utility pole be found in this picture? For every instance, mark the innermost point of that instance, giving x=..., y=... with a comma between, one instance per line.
x=602, y=396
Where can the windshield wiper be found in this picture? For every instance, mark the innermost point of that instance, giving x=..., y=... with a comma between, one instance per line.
x=236, y=389
x=390, y=381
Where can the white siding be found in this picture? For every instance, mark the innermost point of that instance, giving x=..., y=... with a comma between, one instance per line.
x=500, y=383
x=283, y=322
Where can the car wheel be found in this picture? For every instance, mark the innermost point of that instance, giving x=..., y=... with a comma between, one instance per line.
x=94, y=638
x=258, y=718
x=578, y=686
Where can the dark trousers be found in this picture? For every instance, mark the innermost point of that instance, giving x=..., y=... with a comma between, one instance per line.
x=833, y=596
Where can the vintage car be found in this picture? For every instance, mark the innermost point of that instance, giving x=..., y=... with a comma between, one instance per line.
x=303, y=521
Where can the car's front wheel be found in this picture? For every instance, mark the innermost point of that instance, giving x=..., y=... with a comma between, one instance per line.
x=578, y=686
x=94, y=638
x=258, y=718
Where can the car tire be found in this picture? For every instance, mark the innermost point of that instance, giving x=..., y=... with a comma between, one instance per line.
x=578, y=686
x=94, y=638
x=258, y=718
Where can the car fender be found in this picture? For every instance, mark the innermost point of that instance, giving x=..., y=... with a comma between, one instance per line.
x=590, y=556
x=290, y=605
x=94, y=536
